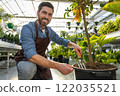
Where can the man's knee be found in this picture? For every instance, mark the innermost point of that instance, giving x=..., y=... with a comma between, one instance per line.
x=26, y=70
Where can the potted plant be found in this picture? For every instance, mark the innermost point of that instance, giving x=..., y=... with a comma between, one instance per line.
x=76, y=27
x=1, y=32
x=55, y=53
x=117, y=23
x=68, y=23
x=107, y=28
x=50, y=54
x=81, y=27
x=63, y=34
x=96, y=23
x=79, y=8
x=4, y=16
x=78, y=23
x=69, y=27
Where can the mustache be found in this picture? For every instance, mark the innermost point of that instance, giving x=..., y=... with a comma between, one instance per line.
x=45, y=19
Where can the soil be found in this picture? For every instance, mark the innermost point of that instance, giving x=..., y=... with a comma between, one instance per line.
x=98, y=66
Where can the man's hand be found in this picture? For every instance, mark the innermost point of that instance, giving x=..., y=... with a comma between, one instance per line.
x=64, y=68
x=76, y=47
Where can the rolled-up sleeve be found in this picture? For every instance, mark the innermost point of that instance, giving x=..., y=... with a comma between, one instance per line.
x=59, y=40
x=27, y=41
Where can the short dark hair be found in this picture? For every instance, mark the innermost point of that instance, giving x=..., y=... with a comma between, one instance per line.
x=48, y=4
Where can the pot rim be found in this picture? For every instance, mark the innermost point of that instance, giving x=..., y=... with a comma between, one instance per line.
x=110, y=69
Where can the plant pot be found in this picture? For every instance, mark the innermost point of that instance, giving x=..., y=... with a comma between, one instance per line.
x=95, y=74
x=76, y=28
x=78, y=23
x=55, y=59
x=10, y=25
x=81, y=28
x=96, y=23
x=66, y=60
x=68, y=23
x=69, y=27
x=60, y=58
x=50, y=57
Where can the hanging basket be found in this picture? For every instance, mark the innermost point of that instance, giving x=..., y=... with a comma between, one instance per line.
x=68, y=23
x=10, y=25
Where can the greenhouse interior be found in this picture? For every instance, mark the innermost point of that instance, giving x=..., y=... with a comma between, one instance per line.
x=94, y=25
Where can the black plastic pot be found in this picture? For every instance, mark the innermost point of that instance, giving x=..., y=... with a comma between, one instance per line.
x=50, y=57
x=66, y=60
x=60, y=58
x=89, y=74
x=55, y=59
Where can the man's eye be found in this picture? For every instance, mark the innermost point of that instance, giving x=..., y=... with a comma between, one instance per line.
x=50, y=14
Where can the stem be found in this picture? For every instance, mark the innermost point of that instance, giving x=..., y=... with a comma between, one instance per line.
x=87, y=36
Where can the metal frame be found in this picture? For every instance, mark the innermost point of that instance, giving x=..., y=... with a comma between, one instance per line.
x=8, y=47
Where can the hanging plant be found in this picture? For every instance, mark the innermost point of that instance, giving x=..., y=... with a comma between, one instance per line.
x=96, y=23
x=104, y=22
x=68, y=23
x=78, y=23
x=69, y=27
x=7, y=16
x=81, y=27
x=87, y=23
x=4, y=16
x=76, y=28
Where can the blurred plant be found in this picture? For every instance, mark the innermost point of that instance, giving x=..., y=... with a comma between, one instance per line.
x=96, y=46
x=107, y=28
x=1, y=32
x=113, y=7
x=5, y=16
x=63, y=34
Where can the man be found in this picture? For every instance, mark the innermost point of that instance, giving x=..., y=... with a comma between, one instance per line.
x=35, y=38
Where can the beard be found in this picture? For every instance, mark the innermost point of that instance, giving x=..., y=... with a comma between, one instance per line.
x=42, y=23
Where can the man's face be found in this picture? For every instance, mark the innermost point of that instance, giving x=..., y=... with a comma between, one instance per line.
x=45, y=16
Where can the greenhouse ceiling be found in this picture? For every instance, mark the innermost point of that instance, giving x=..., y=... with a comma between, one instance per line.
x=25, y=11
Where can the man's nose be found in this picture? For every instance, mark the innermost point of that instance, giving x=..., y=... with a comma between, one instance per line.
x=46, y=16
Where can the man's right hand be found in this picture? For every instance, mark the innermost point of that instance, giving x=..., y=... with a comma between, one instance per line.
x=64, y=68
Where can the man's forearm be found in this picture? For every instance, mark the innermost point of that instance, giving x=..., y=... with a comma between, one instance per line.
x=39, y=60
x=63, y=68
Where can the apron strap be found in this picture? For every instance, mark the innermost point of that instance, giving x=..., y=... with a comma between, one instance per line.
x=37, y=30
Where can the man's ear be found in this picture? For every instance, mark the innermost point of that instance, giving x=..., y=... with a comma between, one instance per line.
x=37, y=13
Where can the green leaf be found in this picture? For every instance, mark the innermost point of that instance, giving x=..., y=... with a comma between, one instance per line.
x=91, y=7
x=113, y=7
x=65, y=14
x=80, y=18
x=92, y=43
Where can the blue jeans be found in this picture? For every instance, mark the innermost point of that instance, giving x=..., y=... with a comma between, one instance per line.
x=26, y=70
